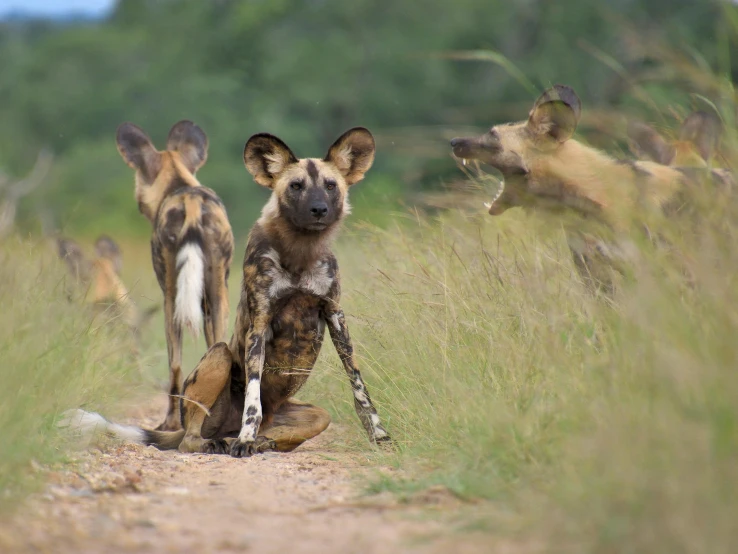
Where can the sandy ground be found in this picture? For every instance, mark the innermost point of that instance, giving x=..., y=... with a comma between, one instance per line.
x=138, y=499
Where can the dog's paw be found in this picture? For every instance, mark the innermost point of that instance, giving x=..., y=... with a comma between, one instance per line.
x=215, y=446
x=386, y=443
x=244, y=449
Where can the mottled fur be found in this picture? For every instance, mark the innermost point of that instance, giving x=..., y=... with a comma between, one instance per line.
x=240, y=397
x=184, y=214
x=595, y=196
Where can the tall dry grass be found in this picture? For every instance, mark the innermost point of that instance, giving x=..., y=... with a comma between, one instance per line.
x=55, y=354
x=591, y=426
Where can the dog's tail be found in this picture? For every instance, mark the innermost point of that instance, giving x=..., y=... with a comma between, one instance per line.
x=190, y=281
x=90, y=426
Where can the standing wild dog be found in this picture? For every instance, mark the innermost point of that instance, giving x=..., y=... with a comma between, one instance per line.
x=239, y=399
x=596, y=196
x=191, y=244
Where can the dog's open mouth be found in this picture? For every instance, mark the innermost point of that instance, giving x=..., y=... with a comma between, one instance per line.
x=493, y=207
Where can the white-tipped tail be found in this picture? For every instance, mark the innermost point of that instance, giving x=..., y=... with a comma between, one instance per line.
x=190, y=284
x=89, y=426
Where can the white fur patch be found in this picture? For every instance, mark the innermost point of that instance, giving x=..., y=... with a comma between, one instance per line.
x=275, y=163
x=190, y=285
x=316, y=281
x=377, y=428
x=89, y=425
x=342, y=158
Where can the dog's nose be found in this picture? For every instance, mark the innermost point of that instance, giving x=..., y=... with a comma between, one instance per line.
x=455, y=142
x=319, y=209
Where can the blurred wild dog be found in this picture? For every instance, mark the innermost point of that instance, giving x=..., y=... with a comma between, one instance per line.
x=191, y=244
x=240, y=398
x=697, y=146
x=595, y=196
x=101, y=278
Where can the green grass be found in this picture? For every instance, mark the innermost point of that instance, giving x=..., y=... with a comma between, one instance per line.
x=599, y=428
x=56, y=354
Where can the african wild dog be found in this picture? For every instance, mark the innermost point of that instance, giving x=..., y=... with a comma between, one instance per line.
x=100, y=277
x=191, y=244
x=596, y=196
x=290, y=294
x=696, y=146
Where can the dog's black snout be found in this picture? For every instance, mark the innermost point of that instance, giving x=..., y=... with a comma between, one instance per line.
x=455, y=142
x=319, y=209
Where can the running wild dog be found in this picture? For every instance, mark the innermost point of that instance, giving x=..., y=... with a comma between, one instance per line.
x=191, y=244
x=240, y=398
x=595, y=196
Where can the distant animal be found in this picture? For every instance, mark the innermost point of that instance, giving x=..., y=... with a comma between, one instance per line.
x=100, y=277
x=697, y=145
x=191, y=244
x=594, y=196
x=240, y=398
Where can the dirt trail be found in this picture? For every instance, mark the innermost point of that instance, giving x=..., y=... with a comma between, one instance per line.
x=137, y=499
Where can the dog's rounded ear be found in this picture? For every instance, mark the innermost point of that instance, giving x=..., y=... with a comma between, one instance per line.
x=646, y=143
x=352, y=154
x=190, y=142
x=106, y=247
x=71, y=253
x=703, y=130
x=137, y=150
x=556, y=113
x=265, y=157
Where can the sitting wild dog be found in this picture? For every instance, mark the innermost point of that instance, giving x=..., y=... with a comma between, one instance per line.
x=240, y=399
x=191, y=244
x=595, y=196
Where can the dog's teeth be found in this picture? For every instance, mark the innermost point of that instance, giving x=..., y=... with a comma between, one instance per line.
x=488, y=205
x=464, y=161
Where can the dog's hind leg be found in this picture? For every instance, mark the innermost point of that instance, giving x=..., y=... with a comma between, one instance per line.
x=205, y=400
x=293, y=423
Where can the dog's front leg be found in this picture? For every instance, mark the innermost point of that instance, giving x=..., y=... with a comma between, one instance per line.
x=336, y=322
x=246, y=443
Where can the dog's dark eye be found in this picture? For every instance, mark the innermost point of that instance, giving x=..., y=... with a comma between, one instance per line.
x=330, y=185
x=296, y=185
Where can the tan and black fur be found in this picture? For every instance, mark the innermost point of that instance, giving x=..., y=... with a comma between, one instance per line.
x=100, y=278
x=191, y=244
x=695, y=151
x=240, y=397
x=595, y=196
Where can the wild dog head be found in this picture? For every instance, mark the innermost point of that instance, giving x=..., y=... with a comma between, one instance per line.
x=512, y=148
x=310, y=195
x=161, y=172
x=696, y=145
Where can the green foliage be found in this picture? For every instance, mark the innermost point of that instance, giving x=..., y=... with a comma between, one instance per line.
x=55, y=356
x=308, y=70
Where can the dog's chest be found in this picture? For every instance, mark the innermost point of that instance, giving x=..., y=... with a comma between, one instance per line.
x=316, y=281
